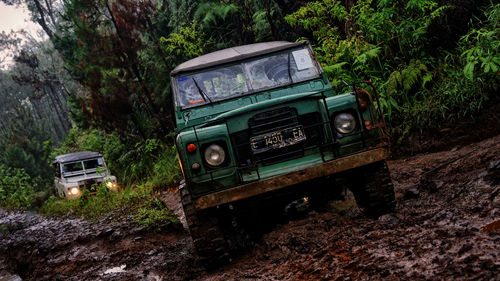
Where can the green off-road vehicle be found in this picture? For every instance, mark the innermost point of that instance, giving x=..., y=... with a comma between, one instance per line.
x=259, y=126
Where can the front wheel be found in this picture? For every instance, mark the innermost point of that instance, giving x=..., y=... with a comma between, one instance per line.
x=57, y=192
x=205, y=231
x=373, y=189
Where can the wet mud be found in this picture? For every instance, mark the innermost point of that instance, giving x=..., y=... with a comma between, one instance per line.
x=446, y=227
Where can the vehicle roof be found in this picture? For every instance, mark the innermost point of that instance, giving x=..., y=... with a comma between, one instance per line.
x=75, y=156
x=234, y=54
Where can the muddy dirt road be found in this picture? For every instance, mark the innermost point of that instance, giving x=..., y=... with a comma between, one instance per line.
x=447, y=227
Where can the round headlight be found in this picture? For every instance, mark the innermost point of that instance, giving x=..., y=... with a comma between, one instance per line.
x=215, y=155
x=75, y=190
x=345, y=123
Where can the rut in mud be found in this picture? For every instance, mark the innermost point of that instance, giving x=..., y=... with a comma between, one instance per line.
x=447, y=226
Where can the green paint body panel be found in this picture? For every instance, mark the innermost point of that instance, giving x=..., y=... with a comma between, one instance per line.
x=221, y=121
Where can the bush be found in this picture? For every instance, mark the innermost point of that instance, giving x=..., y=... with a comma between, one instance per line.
x=154, y=215
x=140, y=203
x=166, y=169
x=85, y=206
x=151, y=161
x=16, y=189
x=421, y=84
x=80, y=140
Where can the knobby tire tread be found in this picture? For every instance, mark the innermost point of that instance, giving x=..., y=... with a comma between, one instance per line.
x=374, y=191
x=205, y=231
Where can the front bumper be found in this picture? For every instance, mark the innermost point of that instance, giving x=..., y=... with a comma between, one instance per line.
x=262, y=186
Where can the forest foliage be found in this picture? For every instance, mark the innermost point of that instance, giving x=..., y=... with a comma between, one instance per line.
x=432, y=62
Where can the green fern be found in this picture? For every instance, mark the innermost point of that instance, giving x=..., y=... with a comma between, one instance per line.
x=394, y=82
x=415, y=75
x=188, y=42
x=209, y=14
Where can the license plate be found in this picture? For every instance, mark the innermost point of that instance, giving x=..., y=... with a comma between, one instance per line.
x=277, y=139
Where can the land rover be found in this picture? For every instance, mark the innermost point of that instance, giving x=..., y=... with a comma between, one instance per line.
x=80, y=171
x=262, y=123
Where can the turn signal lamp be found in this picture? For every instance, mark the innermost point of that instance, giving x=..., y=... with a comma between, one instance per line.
x=191, y=147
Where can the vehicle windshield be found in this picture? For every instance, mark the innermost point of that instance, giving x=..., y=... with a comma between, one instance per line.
x=248, y=76
x=82, y=166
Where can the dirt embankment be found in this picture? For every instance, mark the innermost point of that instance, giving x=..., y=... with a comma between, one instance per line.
x=446, y=227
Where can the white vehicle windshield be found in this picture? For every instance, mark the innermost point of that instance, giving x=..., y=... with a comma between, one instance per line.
x=82, y=166
x=253, y=75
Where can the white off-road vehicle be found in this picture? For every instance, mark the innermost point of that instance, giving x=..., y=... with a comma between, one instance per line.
x=81, y=170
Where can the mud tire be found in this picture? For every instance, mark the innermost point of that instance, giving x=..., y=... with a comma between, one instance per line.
x=205, y=231
x=373, y=190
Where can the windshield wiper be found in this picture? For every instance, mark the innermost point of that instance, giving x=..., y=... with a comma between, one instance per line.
x=202, y=94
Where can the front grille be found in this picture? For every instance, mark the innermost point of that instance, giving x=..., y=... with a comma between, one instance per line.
x=272, y=120
x=275, y=120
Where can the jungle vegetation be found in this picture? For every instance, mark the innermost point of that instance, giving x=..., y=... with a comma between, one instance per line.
x=100, y=80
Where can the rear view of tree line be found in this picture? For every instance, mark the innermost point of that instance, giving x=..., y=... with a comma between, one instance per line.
x=105, y=68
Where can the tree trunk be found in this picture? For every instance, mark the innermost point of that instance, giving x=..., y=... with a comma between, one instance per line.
x=41, y=21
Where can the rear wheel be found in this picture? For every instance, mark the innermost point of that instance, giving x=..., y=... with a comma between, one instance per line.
x=373, y=189
x=205, y=231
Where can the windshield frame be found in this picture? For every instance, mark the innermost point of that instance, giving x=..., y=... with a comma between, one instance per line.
x=242, y=63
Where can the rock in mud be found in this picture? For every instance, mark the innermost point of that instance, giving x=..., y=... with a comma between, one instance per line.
x=388, y=219
x=493, y=227
x=6, y=276
x=412, y=193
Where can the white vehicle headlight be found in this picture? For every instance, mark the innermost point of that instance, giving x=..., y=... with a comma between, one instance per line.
x=344, y=123
x=215, y=155
x=75, y=191
x=109, y=184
